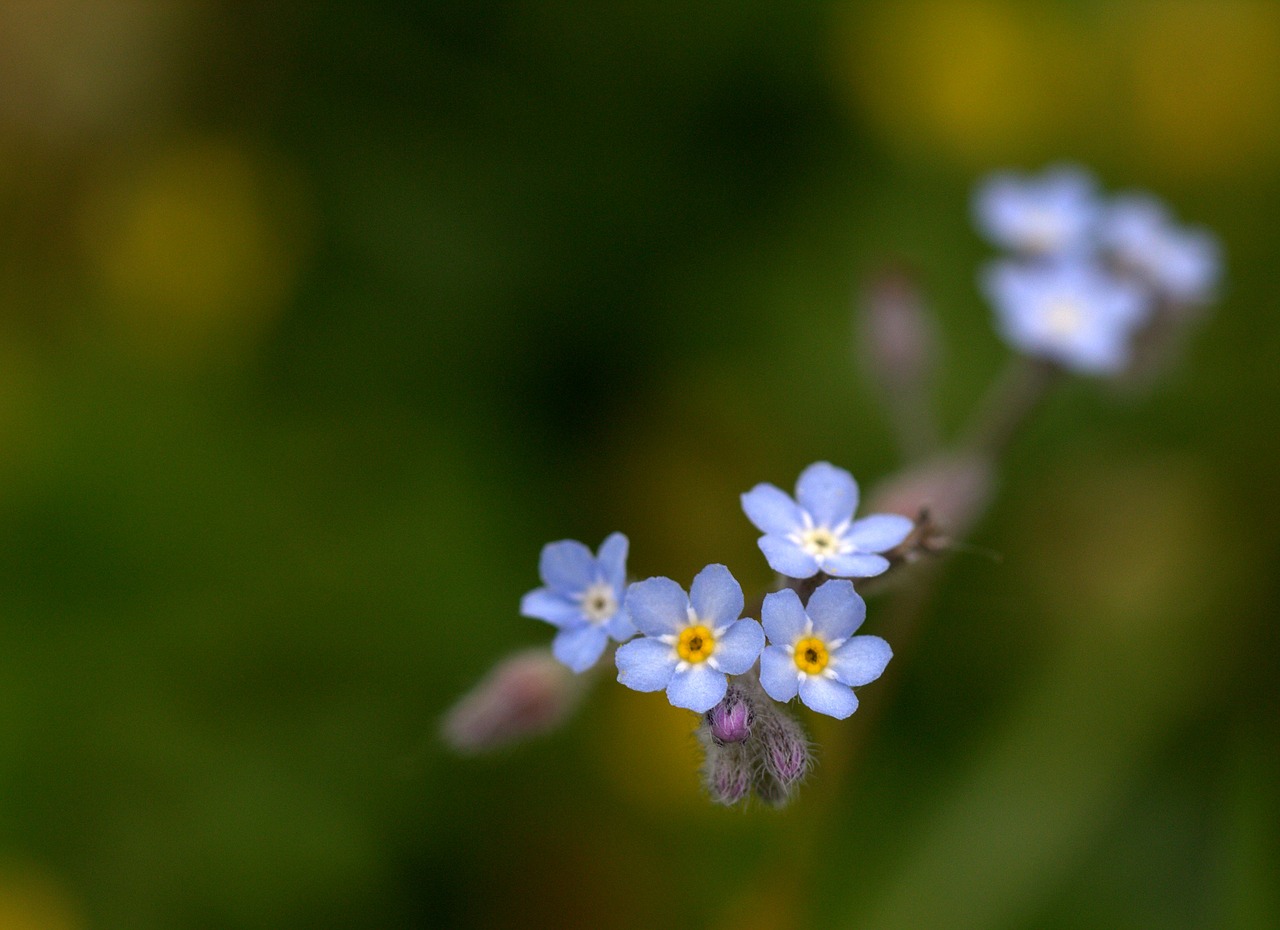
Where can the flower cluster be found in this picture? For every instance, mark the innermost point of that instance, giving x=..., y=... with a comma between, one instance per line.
x=1086, y=276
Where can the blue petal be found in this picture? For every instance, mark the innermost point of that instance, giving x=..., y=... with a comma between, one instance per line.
x=739, y=647
x=658, y=606
x=567, y=566
x=828, y=697
x=645, y=664
x=829, y=494
x=861, y=660
x=545, y=604
x=778, y=674
x=836, y=610
x=771, y=509
x=783, y=616
x=879, y=532
x=619, y=626
x=699, y=687
x=612, y=561
x=786, y=558
x=855, y=565
x=716, y=596
x=579, y=647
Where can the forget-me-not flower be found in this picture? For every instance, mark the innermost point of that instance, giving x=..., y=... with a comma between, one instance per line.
x=1046, y=215
x=813, y=651
x=691, y=642
x=583, y=597
x=816, y=532
x=1071, y=311
x=1179, y=262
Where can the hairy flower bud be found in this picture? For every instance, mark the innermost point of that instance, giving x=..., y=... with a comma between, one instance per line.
x=730, y=721
x=727, y=773
x=526, y=694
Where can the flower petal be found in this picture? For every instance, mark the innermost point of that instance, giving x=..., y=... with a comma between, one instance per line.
x=880, y=532
x=828, y=697
x=778, y=674
x=786, y=558
x=783, y=616
x=836, y=610
x=545, y=604
x=771, y=509
x=739, y=647
x=567, y=566
x=699, y=687
x=612, y=561
x=658, y=606
x=855, y=565
x=716, y=596
x=579, y=647
x=619, y=626
x=828, y=493
x=645, y=664
x=861, y=660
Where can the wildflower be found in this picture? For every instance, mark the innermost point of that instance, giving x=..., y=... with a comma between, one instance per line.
x=1071, y=312
x=1046, y=215
x=583, y=597
x=814, y=652
x=691, y=642
x=816, y=531
x=1181, y=263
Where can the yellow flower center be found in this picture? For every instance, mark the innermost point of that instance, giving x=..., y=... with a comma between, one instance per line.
x=1063, y=317
x=695, y=644
x=811, y=655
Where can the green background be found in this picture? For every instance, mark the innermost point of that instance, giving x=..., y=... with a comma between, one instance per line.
x=318, y=320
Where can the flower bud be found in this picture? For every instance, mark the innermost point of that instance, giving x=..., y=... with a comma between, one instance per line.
x=784, y=749
x=727, y=773
x=526, y=694
x=730, y=720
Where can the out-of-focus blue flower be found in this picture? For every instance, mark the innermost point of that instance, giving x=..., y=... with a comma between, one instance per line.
x=816, y=531
x=583, y=597
x=691, y=642
x=1179, y=262
x=1071, y=311
x=813, y=651
x=1051, y=214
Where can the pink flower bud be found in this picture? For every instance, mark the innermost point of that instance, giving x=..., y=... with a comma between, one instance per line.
x=731, y=719
x=526, y=694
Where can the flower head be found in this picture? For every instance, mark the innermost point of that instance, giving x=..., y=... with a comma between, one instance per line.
x=814, y=652
x=691, y=642
x=1181, y=263
x=1071, y=311
x=583, y=597
x=816, y=531
x=1046, y=215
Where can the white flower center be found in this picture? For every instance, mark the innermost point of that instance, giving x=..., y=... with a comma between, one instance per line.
x=1063, y=317
x=599, y=602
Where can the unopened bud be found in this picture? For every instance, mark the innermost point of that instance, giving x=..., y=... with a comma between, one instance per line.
x=727, y=773
x=526, y=694
x=784, y=749
x=730, y=721
x=898, y=337
x=952, y=490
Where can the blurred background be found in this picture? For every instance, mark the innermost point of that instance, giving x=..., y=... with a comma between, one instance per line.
x=318, y=320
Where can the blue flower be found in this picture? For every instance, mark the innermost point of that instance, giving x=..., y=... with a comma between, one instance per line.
x=1181, y=263
x=816, y=532
x=1070, y=311
x=583, y=597
x=814, y=652
x=691, y=642
x=1046, y=215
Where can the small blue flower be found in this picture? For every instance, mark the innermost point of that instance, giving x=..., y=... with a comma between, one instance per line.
x=691, y=642
x=814, y=652
x=1070, y=311
x=583, y=597
x=1181, y=263
x=816, y=532
x=1046, y=215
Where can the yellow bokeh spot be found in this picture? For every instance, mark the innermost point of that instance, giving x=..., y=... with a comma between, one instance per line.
x=811, y=655
x=1206, y=85
x=31, y=900
x=695, y=644
x=194, y=247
